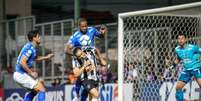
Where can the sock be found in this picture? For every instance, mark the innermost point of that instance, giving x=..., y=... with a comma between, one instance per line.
x=75, y=99
x=77, y=89
x=29, y=96
x=94, y=99
x=179, y=95
x=84, y=95
x=41, y=96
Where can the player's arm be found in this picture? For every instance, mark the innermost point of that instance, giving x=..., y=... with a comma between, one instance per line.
x=39, y=58
x=102, y=32
x=70, y=45
x=69, y=48
x=175, y=62
x=79, y=70
x=197, y=49
x=25, y=66
x=99, y=57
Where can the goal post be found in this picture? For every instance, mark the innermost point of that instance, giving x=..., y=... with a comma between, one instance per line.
x=146, y=40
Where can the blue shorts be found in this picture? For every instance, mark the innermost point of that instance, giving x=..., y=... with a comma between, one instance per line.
x=186, y=75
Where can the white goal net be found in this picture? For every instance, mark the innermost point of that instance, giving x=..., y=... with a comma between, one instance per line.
x=146, y=42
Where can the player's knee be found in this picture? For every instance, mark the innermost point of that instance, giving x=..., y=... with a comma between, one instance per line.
x=95, y=93
x=180, y=85
x=40, y=87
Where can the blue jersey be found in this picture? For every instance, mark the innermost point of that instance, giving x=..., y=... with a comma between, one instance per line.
x=189, y=56
x=29, y=52
x=78, y=39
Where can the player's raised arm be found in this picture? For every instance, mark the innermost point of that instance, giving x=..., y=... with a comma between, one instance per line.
x=100, y=58
x=69, y=45
x=68, y=48
x=102, y=31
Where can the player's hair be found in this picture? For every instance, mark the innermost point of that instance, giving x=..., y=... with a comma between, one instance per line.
x=81, y=20
x=75, y=50
x=32, y=34
x=181, y=34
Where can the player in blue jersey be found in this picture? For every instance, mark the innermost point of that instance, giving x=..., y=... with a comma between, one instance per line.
x=83, y=38
x=24, y=74
x=188, y=55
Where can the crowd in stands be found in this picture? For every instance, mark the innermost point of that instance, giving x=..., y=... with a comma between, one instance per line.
x=148, y=71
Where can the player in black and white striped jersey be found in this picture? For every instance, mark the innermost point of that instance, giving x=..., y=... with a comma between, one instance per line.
x=84, y=67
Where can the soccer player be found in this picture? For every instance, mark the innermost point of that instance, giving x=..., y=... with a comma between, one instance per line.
x=83, y=38
x=24, y=74
x=84, y=69
x=188, y=55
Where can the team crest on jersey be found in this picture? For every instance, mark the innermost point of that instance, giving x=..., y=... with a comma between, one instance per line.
x=85, y=40
x=28, y=53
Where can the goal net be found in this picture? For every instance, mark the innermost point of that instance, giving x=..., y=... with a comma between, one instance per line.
x=146, y=42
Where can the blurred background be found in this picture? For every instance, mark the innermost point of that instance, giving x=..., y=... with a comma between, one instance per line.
x=57, y=20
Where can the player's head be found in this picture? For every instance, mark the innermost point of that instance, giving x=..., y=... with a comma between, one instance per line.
x=181, y=39
x=33, y=36
x=78, y=52
x=83, y=25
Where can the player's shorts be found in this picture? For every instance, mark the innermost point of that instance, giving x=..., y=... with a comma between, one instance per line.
x=89, y=84
x=24, y=80
x=186, y=75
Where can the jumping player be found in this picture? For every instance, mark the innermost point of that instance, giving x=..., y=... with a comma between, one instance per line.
x=85, y=69
x=86, y=34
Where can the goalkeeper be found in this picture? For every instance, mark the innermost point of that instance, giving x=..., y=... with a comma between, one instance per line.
x=189, y=56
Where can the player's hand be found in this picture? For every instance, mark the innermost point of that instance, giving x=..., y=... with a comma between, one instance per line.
x=49, y=56
x=103, y=29
x=34, y=74
x=88, y=68
x=87, y=63
x=103, y=62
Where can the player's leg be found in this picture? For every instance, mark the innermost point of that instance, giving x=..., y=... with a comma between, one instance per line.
x=197, y=75
x=27, y=82
x=29, y=96
x=184, y=78
x=90, y=87
x=94, y=93
x=84, y=95
x=40, y=88
x=179, y=91
x=76, y=91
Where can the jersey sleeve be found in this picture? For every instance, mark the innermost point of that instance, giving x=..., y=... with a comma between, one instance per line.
x=27, y=53
x=197, y=49
x=71, y=40
x=176, y=54
x=97, y=33
x=75, y=63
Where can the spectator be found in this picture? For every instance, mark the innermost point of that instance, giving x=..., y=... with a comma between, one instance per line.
x=72, y=78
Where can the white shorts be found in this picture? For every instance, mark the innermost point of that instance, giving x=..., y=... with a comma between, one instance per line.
x=25, y=80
